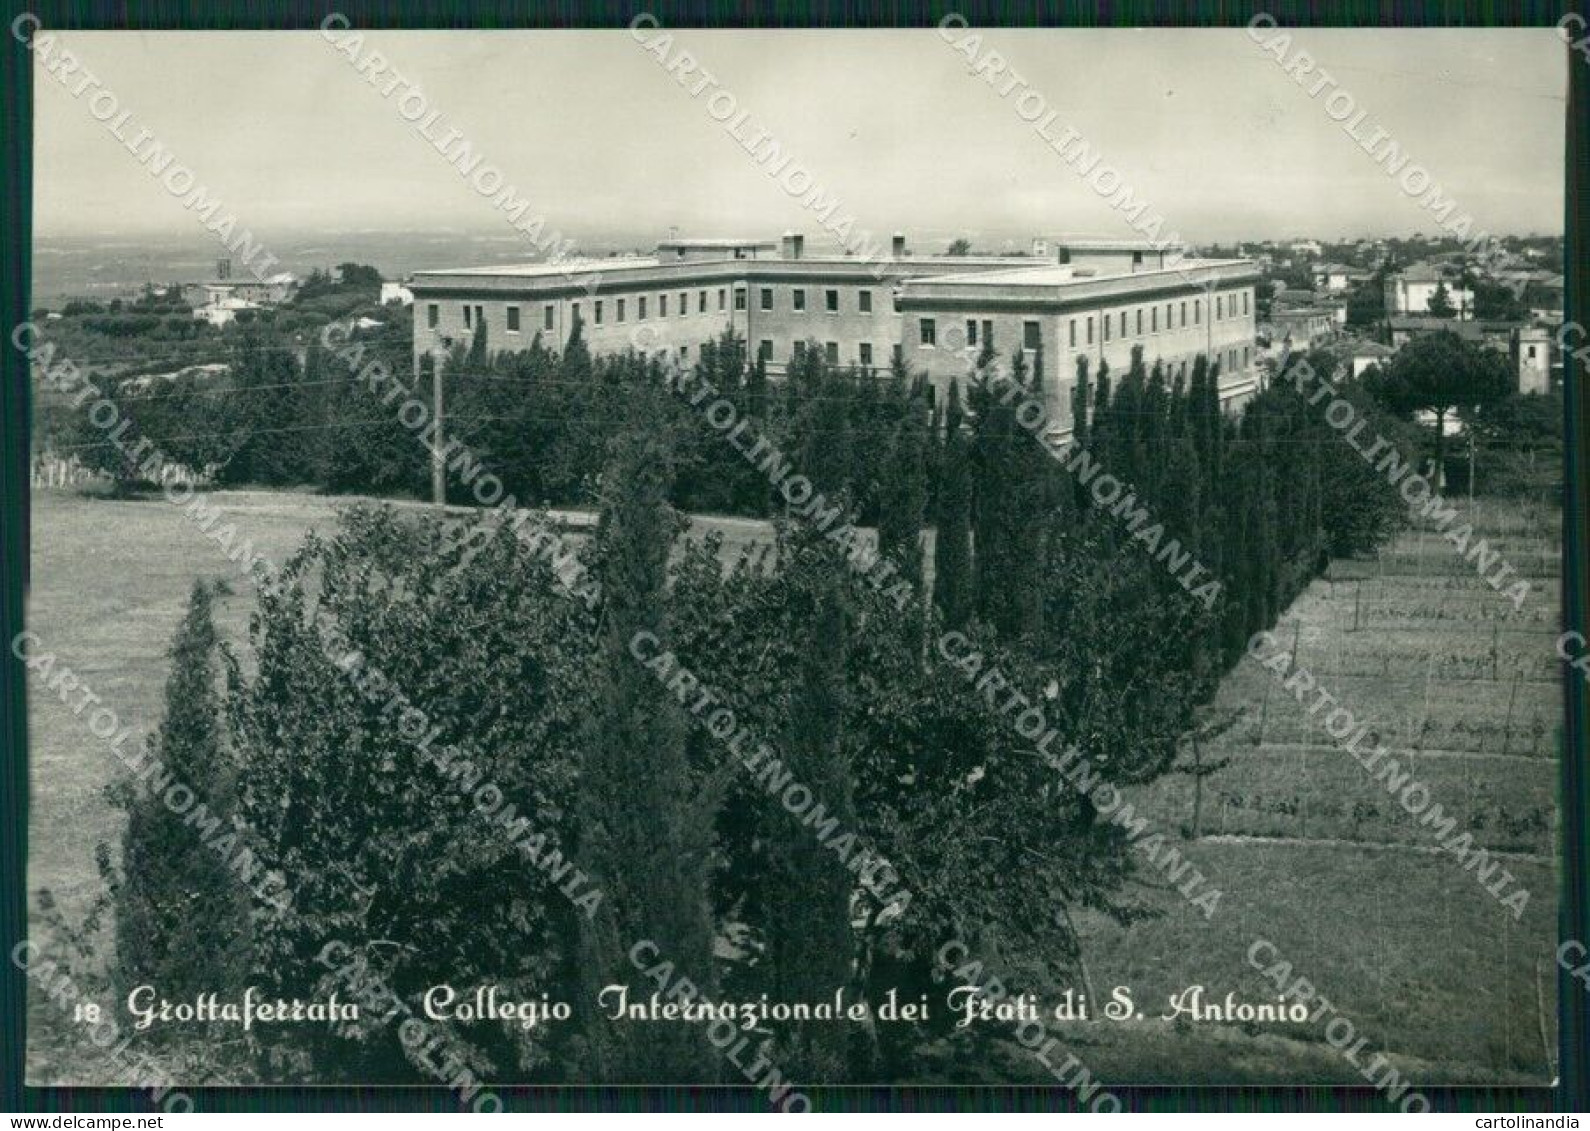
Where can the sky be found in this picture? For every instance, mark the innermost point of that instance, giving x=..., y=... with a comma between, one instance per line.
x=1203, y=124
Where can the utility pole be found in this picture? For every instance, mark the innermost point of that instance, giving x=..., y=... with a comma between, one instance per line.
x=438, y=463
x=1470, y=430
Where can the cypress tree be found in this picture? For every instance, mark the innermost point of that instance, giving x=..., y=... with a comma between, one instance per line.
x=645, y=835
x=903, y=498
x=181, y=916
x=478, y=349
x=952, y=549
x=810, y=941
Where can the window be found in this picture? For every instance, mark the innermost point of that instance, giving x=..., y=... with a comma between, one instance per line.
x=971, y=331
x=1244, y=302
x=701, y=303
x=1168, y=312
x=723, y=299
x=831, y=301
x=513, y=319
x=1245, y=357
x=1153, y=320
x=1184, y=315
x=621, y=310
x=684, y=303
x=1123, y=323
x=576, y=314
x=598, y=305
x=433, y=313
x=469, y=316
x=764, y=350
x=1073, y=333
x=1198, y=312
x=988, y=333
x=1031, y=335
x=897, y=351
x=864, y=301
x=662, y=306
x=929, y=332
x=1220, y=307
x=865, y=351
x=1090, y=329
x=798, y=299
x=767, y=298
x=798, y=351
x=1105, y=323
x=480, y=315
x=684, y=352
x=739, y=298
x=1137, y=259
x=1140, y=322
x=640, y=308
x=831, y=352
x=546, y=315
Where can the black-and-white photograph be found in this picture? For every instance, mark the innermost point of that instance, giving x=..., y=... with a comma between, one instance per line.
x=779, y=559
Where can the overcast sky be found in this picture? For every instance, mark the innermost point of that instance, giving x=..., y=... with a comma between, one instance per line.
x=1203, y=124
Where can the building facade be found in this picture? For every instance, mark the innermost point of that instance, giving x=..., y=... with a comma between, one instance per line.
x=1086, y=298
x=1409, y=292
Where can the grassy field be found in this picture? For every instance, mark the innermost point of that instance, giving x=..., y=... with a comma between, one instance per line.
x=1308, y=853
x=110, y=581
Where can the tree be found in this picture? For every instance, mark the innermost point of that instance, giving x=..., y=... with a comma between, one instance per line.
x=181, y=915
x=1441, y=372
x=959, y=246
x=438, y=853
x=953, y=587
x=903, y=496
x=1496, y=302
x=810, y=945
x=645, y=828
x=1440, y=304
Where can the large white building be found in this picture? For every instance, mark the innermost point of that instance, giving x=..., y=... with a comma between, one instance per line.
x=1097, y=299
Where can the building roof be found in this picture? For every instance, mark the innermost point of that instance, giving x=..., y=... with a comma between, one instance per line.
x=1065, y=274
x=714, y=243
x=1106, y=243
x=563, y=267
x=1368, y=348
x=1469, y=331
x=1420, y=273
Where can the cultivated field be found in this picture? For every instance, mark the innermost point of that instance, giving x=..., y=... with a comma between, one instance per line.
x=1315, y=856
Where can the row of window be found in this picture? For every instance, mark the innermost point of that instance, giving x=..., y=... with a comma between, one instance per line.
x=980, y=334
x=864, y=354
x=1124, y=323
x=474, y=314
x=830, y=300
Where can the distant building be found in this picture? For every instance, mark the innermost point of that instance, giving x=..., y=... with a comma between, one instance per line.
x=1089, y=298
x=1527, y=346
x=1409, y=291
x=222, y=311
x=1364, y=354
x=1303, y=327
x=1531, y=350
x=1332, y=276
